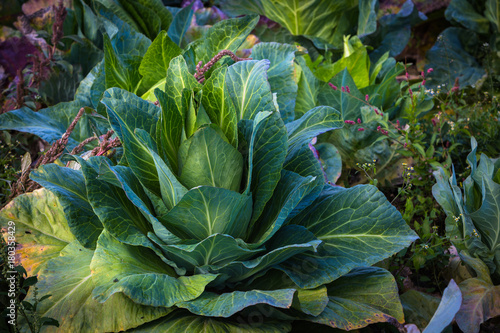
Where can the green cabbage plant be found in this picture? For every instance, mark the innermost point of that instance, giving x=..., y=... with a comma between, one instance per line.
x=473, y=225
x=216, y=217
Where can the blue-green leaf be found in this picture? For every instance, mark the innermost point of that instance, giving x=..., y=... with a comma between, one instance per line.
x=281, y=74
x=316, y=121
x=249, y=89
x=211, y=161
x=463, y=12
x=364, y=296
x=180, y=24
x=358, y=226
x=225, y=305
x=204, y=211
x=127, y=112
x=267, y=140
x=50, y=123
x=291, y=189
x=307, y=91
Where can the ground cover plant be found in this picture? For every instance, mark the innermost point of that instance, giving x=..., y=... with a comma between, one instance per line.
x=210, y=169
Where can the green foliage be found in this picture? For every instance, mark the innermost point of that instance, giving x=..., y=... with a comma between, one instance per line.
x=218, y=205
x=467, y=52
x=472, y=219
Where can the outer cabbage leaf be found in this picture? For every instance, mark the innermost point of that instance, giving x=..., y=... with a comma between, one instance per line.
x=141, y=275
x=227, y=304
x=362, y=297
x=358, y=227
x=464, y=13
x=180, y=24
x=69, y=187
x=69, y=281
x=41, y=228
x=50, y=123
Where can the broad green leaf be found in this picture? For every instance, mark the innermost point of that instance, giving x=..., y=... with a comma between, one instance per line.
x=487, y=218
x=159, y=8
x=249, y=89
x=316, y=121
x=331, y=161
x=179, y=78
x=126, y=112
x=49, y=123
x=281, y=74
x=211, y=161
x=307, y=92
x=358, y=227
x=169, y=129
x=157, y=59
x=267, y=140
x=41, y=228
x=225, y=305
x=448, y=307
x=146, y=18
x=219, y=106
x=463, y=12
x=367, y=20
x=140, y=275
x=480, y=297
x=69, y=186
x=181, y=24
x=123, y=220
x=204, y=211
x=453, y=45
x=290, y=190
x=225, y=35
x=185, y=322
x=364, y=296
x=69, y=281
x=318, y=18
x=121, y=70
x=217, y=249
